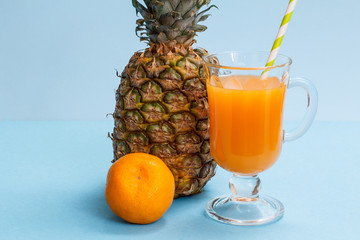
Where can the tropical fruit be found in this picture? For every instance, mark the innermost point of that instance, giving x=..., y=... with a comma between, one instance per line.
x=161, y=103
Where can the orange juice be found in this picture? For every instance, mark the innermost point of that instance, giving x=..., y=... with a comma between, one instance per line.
x=246, y=122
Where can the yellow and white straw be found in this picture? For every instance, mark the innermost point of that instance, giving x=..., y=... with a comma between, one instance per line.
x=280, y=35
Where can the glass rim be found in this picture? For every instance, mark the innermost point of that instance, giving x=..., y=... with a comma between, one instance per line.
x=287, y=63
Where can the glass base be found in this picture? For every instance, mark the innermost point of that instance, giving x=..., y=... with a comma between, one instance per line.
x=245, y=211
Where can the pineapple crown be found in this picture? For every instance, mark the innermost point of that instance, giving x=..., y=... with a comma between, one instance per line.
x=170, y=21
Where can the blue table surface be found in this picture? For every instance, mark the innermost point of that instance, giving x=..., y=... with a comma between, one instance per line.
x=52, y=179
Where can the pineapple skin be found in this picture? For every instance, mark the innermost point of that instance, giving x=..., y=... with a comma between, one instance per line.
x=162, y=109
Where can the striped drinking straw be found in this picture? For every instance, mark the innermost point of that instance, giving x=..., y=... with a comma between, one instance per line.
x=280, y=35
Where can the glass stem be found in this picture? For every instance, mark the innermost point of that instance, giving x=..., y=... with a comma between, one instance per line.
x=245, y=188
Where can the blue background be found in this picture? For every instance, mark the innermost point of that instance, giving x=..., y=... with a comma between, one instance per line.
x=57, y=61
x=57, y=58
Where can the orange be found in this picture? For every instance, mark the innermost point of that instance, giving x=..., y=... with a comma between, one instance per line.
x=139, y=188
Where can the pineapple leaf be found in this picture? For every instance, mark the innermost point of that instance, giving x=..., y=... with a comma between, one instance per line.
x=183, y=23
x=161, y=37
x=203, y=2
x=174, y=3
x=199, y=28
x=176, y=15
x=203, y=18
x=138, y=29
x=148, y=3
x=141, y=9
x=169, y=21
x=140, y=21
x=157, y=8
x=186, y=6
x=200, y=14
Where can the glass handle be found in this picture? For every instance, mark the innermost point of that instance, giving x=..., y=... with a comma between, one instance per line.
x=311, y=109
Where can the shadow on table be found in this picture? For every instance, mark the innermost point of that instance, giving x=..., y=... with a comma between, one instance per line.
x=104, y=220
x=198, y=222
x=186, y=214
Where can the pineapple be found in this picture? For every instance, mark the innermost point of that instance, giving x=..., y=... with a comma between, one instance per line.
x=161, y=103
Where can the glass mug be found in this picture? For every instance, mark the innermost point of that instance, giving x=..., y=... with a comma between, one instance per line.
x=246, y=103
